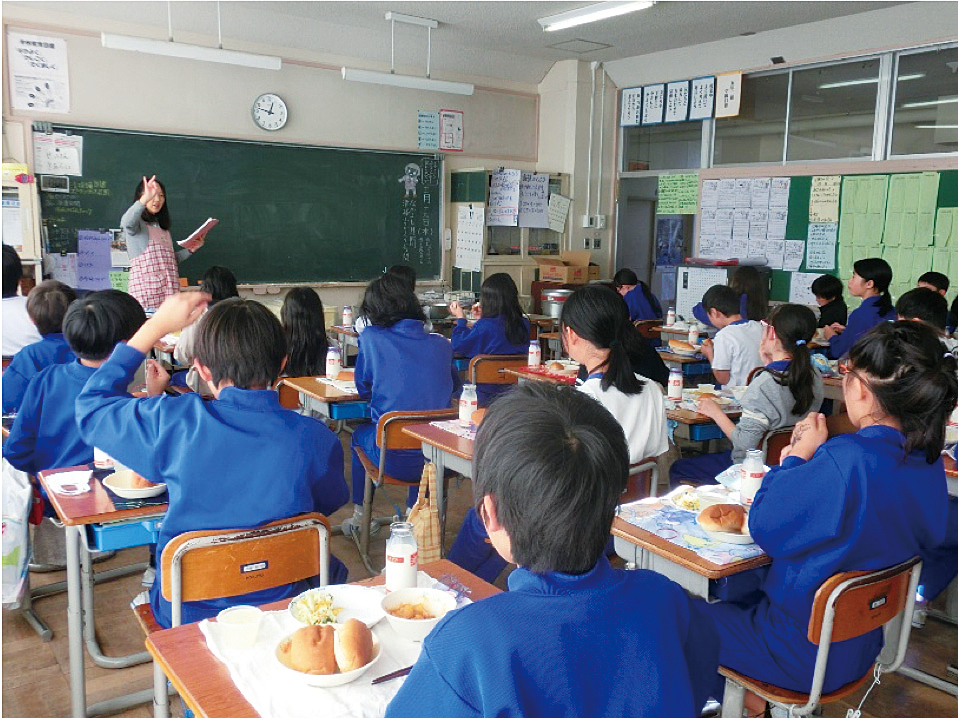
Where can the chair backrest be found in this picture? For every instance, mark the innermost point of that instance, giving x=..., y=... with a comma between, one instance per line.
x=490, y=368
x=645, y=327
x=288, y=395
x=203, y=565
x=773, y=442
x=839, y=424
x=643, y=480
x=389, y=428
x=6, y=361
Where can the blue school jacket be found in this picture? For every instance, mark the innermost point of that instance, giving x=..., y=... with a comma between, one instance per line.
x=859, y=504
x=45, y=434
x=402, y=367
x=605, y=643
x=487, y=336
x=639, y=305
x=27, y=363
x=859, y=321
x=239, y=461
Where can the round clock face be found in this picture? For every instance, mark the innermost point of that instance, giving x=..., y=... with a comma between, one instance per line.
x=269, y=112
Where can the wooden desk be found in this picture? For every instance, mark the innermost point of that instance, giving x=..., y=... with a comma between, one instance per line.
x=528, y=374
x=130, y=527
x=690, y=366
x=205, y=683
x=327, y=400
x=698, y=427
x=554, y=340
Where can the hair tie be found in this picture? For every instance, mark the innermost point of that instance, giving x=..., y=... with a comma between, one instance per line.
x=799, y=342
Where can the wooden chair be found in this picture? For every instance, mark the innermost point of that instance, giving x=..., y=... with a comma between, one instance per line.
x=390, y=436
x=773, y=442
x=839, y=424
x=288, y=396
x=643, y=480
x=204, y=565
x=6, y=361
x=645, y=327
x=490, y=368
x=846, y=606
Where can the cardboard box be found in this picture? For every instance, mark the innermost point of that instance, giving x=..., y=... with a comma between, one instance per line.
x=567, y=268
x=594, y=272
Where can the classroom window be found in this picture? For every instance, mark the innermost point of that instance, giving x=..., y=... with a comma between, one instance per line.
x=758, y=133
x=832, y=113
x=925, y=116
x=662, y=147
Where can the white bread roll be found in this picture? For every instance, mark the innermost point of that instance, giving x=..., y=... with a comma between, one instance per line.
x=353, y=645
x=680, y=347
x=723, y=517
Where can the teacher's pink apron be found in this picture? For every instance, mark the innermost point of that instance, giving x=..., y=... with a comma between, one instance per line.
x=154, y=275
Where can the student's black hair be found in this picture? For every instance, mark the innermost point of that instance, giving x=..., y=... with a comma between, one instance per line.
x=219, y=283
x=404, y=272
x=500, y=298
x=389, y=299
x=877, y=270
x=723, y=298
x=936, y=279
x=551, y=458
x=47, y=304
x=241, y=341
x=625, y=278
x=12, y=271
x=924, y=304
x=599, y=316
x=305, y=327
x=95, y=323
x=953, y=313
x=913, y=380
x=795, y=326
x=828, y=286
x=748, y=280
x=162, y=217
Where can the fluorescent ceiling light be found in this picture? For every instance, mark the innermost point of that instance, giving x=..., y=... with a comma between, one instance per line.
x=591, y=13
x=190, y=52
x=867, y=81
x=411, y=82
x=936, y=127
x=931, y=103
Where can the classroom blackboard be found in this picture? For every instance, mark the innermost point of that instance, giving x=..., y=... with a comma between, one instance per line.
x=288, y=213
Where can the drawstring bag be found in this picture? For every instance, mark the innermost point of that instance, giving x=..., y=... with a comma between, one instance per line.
x=17, y=500
x=424, y=517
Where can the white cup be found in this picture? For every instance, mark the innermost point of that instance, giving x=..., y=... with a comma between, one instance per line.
x=102, y=460
x=238, y=626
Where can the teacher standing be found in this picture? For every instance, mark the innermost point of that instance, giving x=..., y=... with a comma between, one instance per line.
x=154, y=274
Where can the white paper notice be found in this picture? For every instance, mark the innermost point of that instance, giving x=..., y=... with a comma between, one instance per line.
x=726, y=193
x=469, y=236
x=756, y=249
x=653, y=104
x=760, y=191
x=702, y=103
x=778, y=191
x=823, y=203
x=820, y=250
x=777, y=220
x=740, y=223
x=450, y=130
x=800, y=291
x=631, y=107
x=722, y=248
x=93, y=259
x=723, y=224
x=743, y=193
x=558, y=211
x=427, y=130
x=58, y=154
x=504, y=199
x=709, y=194
x=62, y=267
x=534, y=200
x=757, y=224
x=775, y=253
x=12, y=222
x=707, y=223
x=794, y=255
x=728, y=94
x=677, y=101
x=39, y=76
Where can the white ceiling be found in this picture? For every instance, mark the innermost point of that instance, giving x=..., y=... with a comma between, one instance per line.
x=500, y=40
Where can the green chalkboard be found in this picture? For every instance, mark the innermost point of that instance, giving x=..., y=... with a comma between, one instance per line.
x=288, y=213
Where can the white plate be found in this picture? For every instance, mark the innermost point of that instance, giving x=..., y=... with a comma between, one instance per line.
x=126, y=493
x=359, y=602
x=333, y=679
x=707, y=496
x=727, y=536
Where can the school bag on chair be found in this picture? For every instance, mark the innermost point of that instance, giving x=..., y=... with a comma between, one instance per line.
x=424, y=517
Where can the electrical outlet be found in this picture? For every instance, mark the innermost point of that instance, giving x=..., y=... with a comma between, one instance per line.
x=597, y=243
x=586, y=221
x=586, y=243
x=599, y=221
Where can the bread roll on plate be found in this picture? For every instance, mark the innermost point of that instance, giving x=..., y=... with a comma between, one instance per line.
x=680, y=347
x=353, y=645
x=729, y=518
x=311, y=650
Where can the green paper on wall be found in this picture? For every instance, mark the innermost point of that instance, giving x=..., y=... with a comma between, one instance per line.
x=120, y=280
x=678, y=194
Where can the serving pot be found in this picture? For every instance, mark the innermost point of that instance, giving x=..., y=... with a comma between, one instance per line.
x=436, y=311
x=552, y=301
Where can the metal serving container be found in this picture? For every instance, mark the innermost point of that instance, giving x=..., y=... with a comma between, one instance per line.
x=552, y=301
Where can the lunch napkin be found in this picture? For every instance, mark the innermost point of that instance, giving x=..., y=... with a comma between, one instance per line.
x=347, y=387
x=69, y=483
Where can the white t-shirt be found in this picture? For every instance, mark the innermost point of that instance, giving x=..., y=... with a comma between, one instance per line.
x=18, y=330
x=736, y=350
x=642, y=416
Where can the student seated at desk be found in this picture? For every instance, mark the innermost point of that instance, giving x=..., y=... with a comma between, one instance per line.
x=781, y=393
x=18, y=330
x=219, y=283
x=733, y=353
x=572, y=636
x=400, y=367
x=239, y=461
x=305, y=327
x=500, y=329
x=828, y=295
x=935, y=281
x=930, y=307
x=405, y=273
x=638, y=297
x=856, y=502
x=752, y=291
x=46, y=305
x=870, y=280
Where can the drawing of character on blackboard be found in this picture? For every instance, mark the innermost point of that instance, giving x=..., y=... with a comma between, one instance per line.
x=411, y=178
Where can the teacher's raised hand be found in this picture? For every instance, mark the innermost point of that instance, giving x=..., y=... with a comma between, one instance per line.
x=151, y=189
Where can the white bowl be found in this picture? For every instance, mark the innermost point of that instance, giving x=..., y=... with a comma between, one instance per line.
x=332, y=679
x=438, y=603
x=360, y=602
x=127, y=493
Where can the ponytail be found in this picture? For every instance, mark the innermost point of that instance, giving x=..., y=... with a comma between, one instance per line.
x=794, y=326
x=879, y=272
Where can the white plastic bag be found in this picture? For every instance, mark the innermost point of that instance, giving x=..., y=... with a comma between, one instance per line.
x=17, y=497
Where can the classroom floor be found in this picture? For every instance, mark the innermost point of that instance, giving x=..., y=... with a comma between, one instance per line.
x=36, y=674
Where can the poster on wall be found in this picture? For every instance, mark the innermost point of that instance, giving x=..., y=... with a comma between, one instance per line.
x=728, y=94
x=668, y=241
x=677, y=101
x=39, y=76
x=534, y=200
x=503, y=199
x=653, y=104
x=427, y=130
x=702, y=101
x=450, y=130
x=631, y=115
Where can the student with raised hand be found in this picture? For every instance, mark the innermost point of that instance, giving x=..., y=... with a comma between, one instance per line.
x=219, y=283
x=733, y=353
x=400, y=366
x=501, y=328
x=828, y=295
x=46, y=306
x=870, y=281
x=781, y=393
x=856, y=502
x=572, y=636
x=638, y=297
x=18, y=330
x=239, y=461
x=305, y=327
